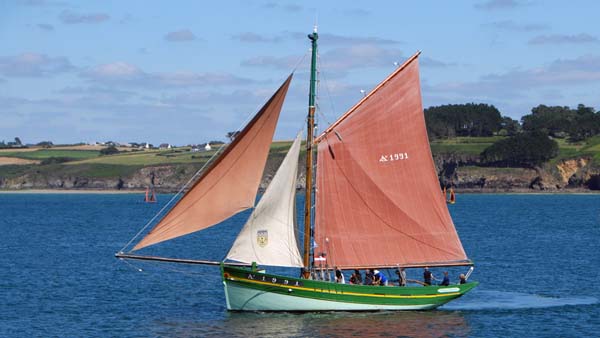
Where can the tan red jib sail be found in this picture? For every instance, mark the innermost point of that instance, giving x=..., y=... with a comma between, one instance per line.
x=230, y=184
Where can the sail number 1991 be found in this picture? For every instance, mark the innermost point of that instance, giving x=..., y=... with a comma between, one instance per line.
x=393, y=157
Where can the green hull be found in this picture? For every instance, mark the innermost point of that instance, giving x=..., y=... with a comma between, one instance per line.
x=247, y=290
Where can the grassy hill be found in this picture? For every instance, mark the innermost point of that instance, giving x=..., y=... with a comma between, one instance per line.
x=45, y=165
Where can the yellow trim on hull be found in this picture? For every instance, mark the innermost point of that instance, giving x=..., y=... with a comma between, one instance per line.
x=343, y=293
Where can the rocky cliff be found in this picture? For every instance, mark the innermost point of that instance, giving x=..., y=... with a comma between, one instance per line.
x=465, y=173
x=461, y=171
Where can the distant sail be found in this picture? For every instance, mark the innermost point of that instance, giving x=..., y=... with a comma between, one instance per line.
x=452, y=199
x=150, y=196
x=269, y=238
x=378, y=201
x=230, y=184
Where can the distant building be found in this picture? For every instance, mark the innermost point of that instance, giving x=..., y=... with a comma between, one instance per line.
x=207, y=147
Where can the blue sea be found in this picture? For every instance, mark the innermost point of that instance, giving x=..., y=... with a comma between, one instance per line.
x=537, y=258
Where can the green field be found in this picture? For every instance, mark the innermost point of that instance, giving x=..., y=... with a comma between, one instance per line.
x=150, y=157
x=463, y=145
x=42, y=154
x=89, y=163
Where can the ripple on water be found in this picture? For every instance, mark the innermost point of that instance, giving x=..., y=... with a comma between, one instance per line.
x=505, y=300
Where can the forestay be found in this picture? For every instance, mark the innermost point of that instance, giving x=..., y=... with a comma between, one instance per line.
x=230, y=184
x=269, y=236
x=378, y=200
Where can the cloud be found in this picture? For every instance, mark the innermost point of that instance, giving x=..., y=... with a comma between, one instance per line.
x=510, y=25
x=337, y=59
x=45, y=26
x=360, y=12
x=256, y=38
x=516, y=83
x=557, y=39
x=97, y=92
x=344, y=40
x=361, y=56
x=123, y=73
x=327, y=39
x=287, y=7
x=284, y=62
x=180, y=36
x=69, y=17
x=116, y=72
x=33, y=65
x=205, y=97
x=41, y=3
x=430, y=62
x=491, y=5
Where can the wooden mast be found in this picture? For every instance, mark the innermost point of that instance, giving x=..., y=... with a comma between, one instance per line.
x=310, y=125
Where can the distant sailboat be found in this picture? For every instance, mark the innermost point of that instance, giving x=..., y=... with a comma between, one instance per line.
x=150, y=196
x=452, y=198
x=377, y=205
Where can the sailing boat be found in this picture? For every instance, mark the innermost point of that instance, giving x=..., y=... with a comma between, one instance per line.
x=452, y=199
x=377, y=206
x=150, y=196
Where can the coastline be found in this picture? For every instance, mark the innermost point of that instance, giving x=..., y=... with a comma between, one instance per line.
x=71, y=191
x=576, y=191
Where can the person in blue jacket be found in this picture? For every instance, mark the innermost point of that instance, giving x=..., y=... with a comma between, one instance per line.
x=446, y=280
x=380, y=278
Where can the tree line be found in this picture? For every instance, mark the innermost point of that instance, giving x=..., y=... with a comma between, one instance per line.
x=529, y=142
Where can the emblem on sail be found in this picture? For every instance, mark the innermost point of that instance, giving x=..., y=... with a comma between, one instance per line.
x=262, y=238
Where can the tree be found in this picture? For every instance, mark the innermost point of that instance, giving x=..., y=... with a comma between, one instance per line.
x=469, y=119
x=109, y=150
x=586, y=123
x=45, y=144
x=554, y=121
x=526, y=149
x=509, y=126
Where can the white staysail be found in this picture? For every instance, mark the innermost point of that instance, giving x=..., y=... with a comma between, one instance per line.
x=268, y=238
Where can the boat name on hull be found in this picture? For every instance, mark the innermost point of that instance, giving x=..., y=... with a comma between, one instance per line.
x=274, y=280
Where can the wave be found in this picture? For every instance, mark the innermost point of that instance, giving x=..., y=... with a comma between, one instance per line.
x=505, y=300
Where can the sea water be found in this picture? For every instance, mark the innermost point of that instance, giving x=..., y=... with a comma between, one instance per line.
x=537, y=259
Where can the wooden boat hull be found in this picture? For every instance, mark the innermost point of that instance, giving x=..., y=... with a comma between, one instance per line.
x=247, y=290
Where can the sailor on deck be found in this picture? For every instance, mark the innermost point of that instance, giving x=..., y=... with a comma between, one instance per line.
x=427, y=276
x=380, y=278
x=446, y=280
x=401, y=277
x=339, y=276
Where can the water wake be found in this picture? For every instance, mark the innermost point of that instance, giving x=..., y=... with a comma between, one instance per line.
x=505, y=300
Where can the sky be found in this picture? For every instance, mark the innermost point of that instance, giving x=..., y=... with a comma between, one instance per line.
x=187, y=72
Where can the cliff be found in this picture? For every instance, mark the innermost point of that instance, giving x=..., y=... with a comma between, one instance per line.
x=464, y=172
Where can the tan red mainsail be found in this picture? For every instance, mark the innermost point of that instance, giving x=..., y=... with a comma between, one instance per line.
x=378, y=200
x=230, y=184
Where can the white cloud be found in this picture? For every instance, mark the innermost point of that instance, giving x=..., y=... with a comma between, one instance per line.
x=45, y=26
x=180, y=36
x=123, y=73
x=69, y=17
x=33, y=65
x=509, y=25
x=250, y=37
x=520, y=89
x=497, y=4
x=559, y=39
